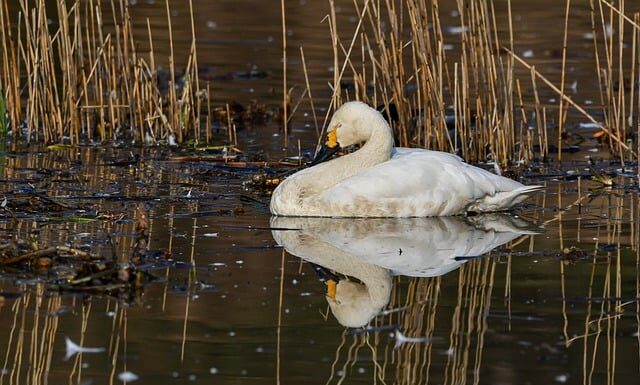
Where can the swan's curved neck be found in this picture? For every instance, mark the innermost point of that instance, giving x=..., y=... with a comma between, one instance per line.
x=377, y=280
x=375, y=150
x=372, y=276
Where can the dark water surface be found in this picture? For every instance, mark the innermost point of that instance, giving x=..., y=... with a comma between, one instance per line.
x=550, y=296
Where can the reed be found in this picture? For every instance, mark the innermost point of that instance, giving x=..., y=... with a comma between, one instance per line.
x=285, y=93
x=562, y=113
x=76, y=80
x=468, y=99
x=4, y=124
x=404, y=54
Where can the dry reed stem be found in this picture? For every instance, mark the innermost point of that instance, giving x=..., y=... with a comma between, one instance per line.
x=86, y=81
x=410, y=73
x=634, y=23
x=404, y=67
x=568, y=100
x=285, y=99
x=561, y=113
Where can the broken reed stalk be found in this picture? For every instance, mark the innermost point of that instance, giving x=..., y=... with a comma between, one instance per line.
x=4, y=125
x=333, y=28
x=10, y=68
x=632, y=96
x=68, y=77
x=636, y=59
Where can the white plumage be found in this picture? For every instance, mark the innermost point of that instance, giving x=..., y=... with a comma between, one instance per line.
x=379, y=180
x=374, y=250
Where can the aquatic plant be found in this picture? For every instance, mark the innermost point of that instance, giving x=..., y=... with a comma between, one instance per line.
x=4, y=124
x=69, y=78
x=452, y=88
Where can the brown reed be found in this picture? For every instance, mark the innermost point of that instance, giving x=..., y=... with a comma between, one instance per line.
x=405, y=64
x=74, y=79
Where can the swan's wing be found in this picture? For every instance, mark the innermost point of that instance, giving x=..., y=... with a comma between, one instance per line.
x=417, y=182
x=417, y=247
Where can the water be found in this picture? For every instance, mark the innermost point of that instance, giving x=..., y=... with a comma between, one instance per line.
x=525, y=311
x=556, y=300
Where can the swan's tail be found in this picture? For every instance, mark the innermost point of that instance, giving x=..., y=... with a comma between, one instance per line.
x=504, y=200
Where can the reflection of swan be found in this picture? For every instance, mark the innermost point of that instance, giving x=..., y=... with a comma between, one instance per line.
x=372, y=250
x=380, y=181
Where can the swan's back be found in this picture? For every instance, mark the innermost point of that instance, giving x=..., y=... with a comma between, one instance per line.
x=418, y=183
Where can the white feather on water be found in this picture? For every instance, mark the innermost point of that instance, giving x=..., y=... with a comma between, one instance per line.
x=73, y=349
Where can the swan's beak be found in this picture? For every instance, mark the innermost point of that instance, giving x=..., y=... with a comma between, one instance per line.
x=331, y=288
x=329, y=148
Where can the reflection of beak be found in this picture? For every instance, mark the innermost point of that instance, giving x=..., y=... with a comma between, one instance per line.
x=329, y=148
x=331, y=288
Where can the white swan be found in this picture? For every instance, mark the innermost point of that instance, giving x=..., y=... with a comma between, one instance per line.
x=379, y=180
x=374, y=250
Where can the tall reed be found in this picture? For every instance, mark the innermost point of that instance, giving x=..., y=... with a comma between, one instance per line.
x=412, y=73
x=453, y=89
x=4, y=124
x=70, y=78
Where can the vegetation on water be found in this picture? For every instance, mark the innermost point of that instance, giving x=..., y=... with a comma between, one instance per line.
x=4, y=124
x=75, y=268
x=451, y=88
x=73, y=81
x=469, y=101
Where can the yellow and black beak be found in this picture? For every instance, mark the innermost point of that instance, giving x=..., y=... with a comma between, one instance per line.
x=331, y=288
x=329, y=148
x=329, y=278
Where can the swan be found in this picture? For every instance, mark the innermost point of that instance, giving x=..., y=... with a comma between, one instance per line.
x=373, y=250
x=379, y=180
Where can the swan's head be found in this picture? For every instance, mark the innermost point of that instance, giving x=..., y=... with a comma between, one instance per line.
x=354, y=304
x=352, y=123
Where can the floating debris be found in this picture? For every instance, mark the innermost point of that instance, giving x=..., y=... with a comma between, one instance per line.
x=73, y=349
x=572, y=253
x=128, y=376
x=402, y=339
x=589, y=125
x=67, y=268
x=456, y=29
x=262, y=181
x=528, y=54
x=601, y=177
x=60, y=311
